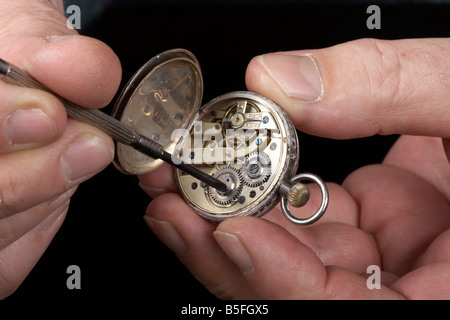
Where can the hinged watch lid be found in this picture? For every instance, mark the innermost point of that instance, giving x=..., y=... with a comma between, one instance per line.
x=163, y=96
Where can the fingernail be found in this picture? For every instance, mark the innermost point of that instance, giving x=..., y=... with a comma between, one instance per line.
x=234, y=249
x=153, y=192
x=30, y=126
x=62, y=198
x=168, y=235
x=298, y=76
x=85, y=157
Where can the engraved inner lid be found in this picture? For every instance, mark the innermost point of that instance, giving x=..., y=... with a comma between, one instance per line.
x=163, y=97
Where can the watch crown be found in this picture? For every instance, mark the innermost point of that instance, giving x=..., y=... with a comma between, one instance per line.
x=298, y=195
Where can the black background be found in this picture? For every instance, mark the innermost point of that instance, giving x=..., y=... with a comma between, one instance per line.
x=104, y=233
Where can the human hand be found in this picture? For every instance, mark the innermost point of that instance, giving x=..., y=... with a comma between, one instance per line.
x=43, y=155
x=395, y=215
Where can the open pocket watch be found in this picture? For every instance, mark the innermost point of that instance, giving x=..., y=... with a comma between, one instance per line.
x=241, y=138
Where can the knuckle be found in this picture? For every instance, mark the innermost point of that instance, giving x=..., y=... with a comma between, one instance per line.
x=403, y=76
x=383, y=86
x=7, y=192
x=11, y=199
x=384, y=68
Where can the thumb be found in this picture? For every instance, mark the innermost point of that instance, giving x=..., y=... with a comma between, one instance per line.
x=361, y=88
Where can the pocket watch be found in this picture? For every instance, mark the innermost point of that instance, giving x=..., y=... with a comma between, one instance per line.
x=241, y=138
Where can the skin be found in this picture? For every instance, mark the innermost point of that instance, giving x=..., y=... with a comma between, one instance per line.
x=394, y=215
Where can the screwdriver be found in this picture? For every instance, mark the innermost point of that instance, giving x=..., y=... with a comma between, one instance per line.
x=114, y=128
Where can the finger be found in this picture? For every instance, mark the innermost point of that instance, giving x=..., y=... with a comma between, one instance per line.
x=341, y=208
x=43, y=17
x=59, y=5
x=338, y=244
x=429, y=282
x=17, y=225
x=299, y=273
x=191, y=238
x=30, y=118
x=81, y=69
x=70, y=66
x=395, y=204
x=37, y=175
x=160, y=181
x=425, y=156
x=94, y=70
x=17, y=260
x=361, y=88
x=437, y=252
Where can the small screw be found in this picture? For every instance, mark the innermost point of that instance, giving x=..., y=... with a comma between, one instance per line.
x=194, y=185
x=252, y=194
x=241, y=199
x=178, y=117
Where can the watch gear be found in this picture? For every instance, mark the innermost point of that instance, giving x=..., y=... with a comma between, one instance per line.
x=256, y=169
x=232, y=177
